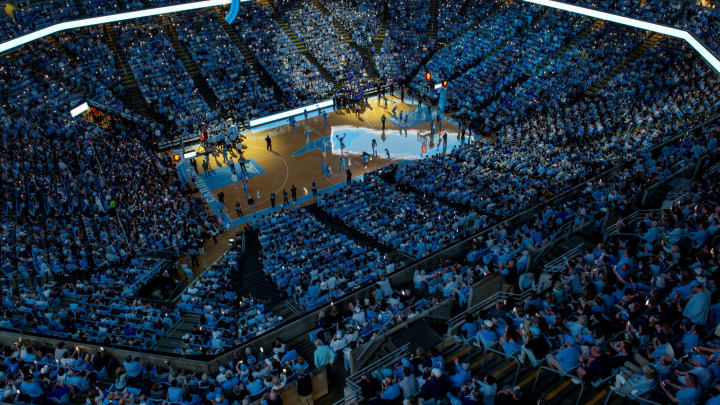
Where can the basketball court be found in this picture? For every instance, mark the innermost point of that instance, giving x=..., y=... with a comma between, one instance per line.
x=297, y=161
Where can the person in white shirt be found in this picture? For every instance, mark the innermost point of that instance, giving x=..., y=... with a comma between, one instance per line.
x=359, y=315
x=60, y=351
x=338, y=343
x=408, y=385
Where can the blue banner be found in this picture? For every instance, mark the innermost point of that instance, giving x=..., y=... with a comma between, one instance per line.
x=234, y=9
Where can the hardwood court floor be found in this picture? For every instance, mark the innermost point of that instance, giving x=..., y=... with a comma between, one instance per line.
x=282, y=169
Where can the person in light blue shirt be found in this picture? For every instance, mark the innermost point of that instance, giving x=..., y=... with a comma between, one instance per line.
x=698, y=307
x=662, y=366
x=391, y=390
x=510, y=341
x=690, y=338
x=462, y=374
x=638, y=383
x=662, y=348
x=437, y=360
x=566, y=359
x=700, y=370
x=324, y=355
x=487, y=388
x=469, y=328
x=254, y=385
x=132, y=367
x=527, y=281
x=175, y=393
x=31, y=388
x=685, y=395
x=487, y=334
x=77, y=380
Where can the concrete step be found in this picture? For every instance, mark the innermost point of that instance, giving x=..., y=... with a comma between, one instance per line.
x=191, y=66
x=652, y=40
x=132, y=97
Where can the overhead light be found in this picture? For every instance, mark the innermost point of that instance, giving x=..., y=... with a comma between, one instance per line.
x=189, y=154
x=86, y=22
x=291, y=113
x=632, y=22
x=79, y=109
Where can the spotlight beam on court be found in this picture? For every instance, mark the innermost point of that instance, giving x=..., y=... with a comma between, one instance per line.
x=705, y=53
x=87, y=22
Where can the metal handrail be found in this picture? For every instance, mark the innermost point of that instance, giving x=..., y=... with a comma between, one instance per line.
x=155, y=253
x=674, y=199
x=714, y=168
x=676, y=195
x=387, y=326
x=632, y=218
x=560, y=262
x=353, y=392
x=397, y=353
x=221, y=257
x=563, y=233
x=460, y=318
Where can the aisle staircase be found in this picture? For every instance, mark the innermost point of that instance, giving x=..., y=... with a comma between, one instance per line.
x=500, y=45
x=340, y=29
x=559, y=250
x=649, y=42
x=382, y=28
x=439, y=45
x=510, y=88
x=380, y=34
x=83, y=86
x=338, y=226
x=550, y=387
x=533, y=383
x=190, y=65
x=249, y=56
x=73, y=58
x=664, y=191
x=251, y=280
x=465, y=6
x=173, y=337
x=598, y=24
x=300, y=45
x=326, y=75
x=368, y=59
x=267, y=4
x=52, y=39
x=432, y=27
x=365, y=52
x=61, y=80
x=40, y=72
x=80, y=6
x=132, y=96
